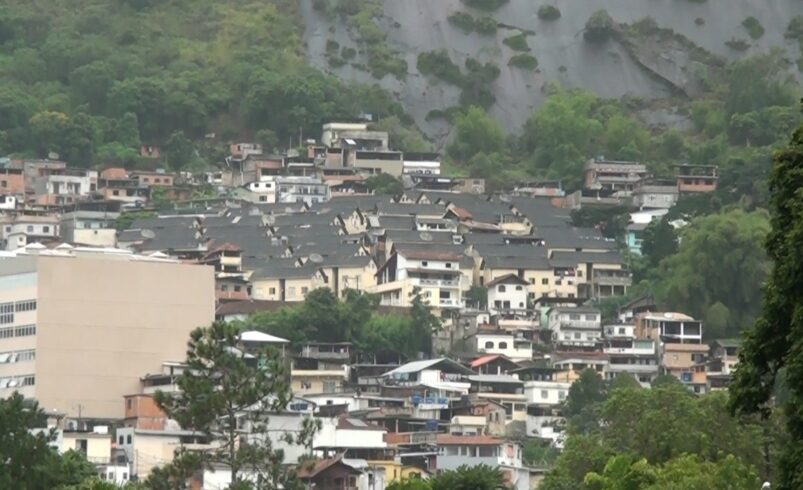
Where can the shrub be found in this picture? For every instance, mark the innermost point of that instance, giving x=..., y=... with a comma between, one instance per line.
x=332, y=46
x=599, y=28
x=348, y=53
x=439, y=65
x=462, y=21
x=754, y=27
x=699, y=21
x=795, y=28
x=517, y=42
x=485, y=25
x=486, y=5
x=737, y=44
x=524, y=61
x=548, y=12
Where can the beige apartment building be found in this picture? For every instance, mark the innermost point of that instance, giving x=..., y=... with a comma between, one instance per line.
x=79, y=327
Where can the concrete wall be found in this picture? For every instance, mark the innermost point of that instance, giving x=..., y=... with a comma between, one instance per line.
x=102, y=324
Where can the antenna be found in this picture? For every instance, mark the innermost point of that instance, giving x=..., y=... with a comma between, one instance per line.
x=147, y=233
x=315, y=258
x=425, y=236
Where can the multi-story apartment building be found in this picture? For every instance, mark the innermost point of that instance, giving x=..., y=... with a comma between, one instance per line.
x=79, y=327
x=669, y=328
x=575, y=327
x=435, y=271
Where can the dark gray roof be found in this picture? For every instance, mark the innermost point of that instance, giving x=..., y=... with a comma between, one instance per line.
x=481, y=209
x=162, y=223
x=396, y=222
x=399, y=209
x=172, y=239
x=510, y=251
x=414, y=236
x=253, y=221
x=574, y=238
x=347, y=204
x=252, y=240
x=540, y=211
x=535, y=262
x=302, y=219
x=283, y=269
x=575, y=309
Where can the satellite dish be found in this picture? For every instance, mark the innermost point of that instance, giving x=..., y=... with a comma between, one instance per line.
x=315, y=258
x=425, y=236
x=53, y=155
x=147, y=233
x=289, y=210
x=324, y=210
x=504, y=198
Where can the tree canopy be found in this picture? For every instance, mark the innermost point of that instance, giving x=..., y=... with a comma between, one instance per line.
x=775, y=343
x=720, y=261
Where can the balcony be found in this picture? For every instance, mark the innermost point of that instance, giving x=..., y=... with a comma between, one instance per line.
x=580, y=325
x=612, y=280
x=454, y=283
x=450, y=303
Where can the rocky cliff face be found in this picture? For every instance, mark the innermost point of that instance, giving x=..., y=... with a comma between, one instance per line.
x=651, y=66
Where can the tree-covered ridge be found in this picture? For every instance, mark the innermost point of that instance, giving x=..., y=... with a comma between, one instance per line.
x=94, y=81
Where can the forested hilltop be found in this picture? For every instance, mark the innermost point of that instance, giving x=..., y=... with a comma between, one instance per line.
x=91, y=80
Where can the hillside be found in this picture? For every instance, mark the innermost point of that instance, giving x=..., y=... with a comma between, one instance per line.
x=644, y=66
x=707, y=81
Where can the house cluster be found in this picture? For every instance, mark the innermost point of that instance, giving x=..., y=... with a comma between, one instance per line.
x=95, y=310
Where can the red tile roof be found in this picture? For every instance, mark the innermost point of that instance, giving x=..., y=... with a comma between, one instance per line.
x=481, y=361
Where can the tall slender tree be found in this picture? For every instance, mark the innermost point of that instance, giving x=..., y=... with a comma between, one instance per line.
x=227, y=395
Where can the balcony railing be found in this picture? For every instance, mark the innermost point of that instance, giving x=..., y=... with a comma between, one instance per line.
x=580, y=324
x=439, y=282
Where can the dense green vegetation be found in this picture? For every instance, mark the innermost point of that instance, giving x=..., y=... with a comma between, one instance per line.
x=525, y=61
x=94, y=83
x=600, y=27
x=622, y=436
x=772, y=354
x=475, y=81
x=27, y=461
x=753, y=26
x=323, y=318
x=480, y=477
x=517, y=42
x=467, y=23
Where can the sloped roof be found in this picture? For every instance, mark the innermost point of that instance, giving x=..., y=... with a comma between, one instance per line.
x=256, y=336
x=507, y=279
x=418, y=366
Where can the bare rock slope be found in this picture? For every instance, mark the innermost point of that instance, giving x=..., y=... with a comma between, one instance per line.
x=649, y=66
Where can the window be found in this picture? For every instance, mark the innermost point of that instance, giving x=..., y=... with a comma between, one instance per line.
x=489, y=345
x=329, y=386
x=622, y=330
x=28, y=381
x=448, y=265
x=532, y=280
x=128, y=441
x=574, y=316
x=503, y=345
x=561, y=395
x=115, y=193
x=263, y=198
x=29, y=305
x=237, y=289
x=291, y=291
x=591, y=318
x=129, y=403
x=578, y=335
x=4, y=183
x=125, y=475
x=518, y=288
x=501, y=288
x=6, y=332
x=544, y=394
x=24, y=330
x=424, y=263
x=304, y=290
x=29, y=229
x=579, y=273
x=271, y=291
x=224, y=287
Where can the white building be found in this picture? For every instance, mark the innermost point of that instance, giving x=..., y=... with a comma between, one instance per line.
x=442, y=375
x=265, y=190
x=507, y=344
x=292, y=189
x=578, y=326
x=442, y=275
x=550, y=393
x=456, y=451
x=505, y=293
